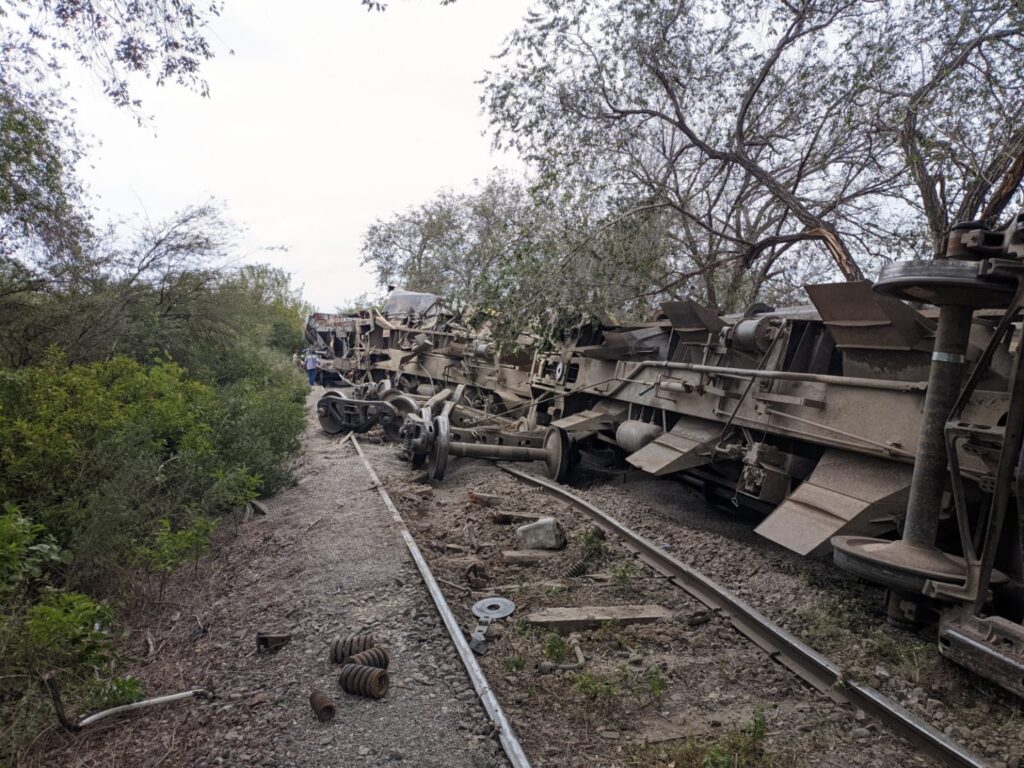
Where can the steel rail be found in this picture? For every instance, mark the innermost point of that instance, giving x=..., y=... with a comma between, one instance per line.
x=780, y=645
x=509, y=742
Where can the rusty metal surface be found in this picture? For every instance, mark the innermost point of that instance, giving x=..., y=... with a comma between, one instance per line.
x=363, y=680
x=322, y=704
x=343, y=648
x=372, y=657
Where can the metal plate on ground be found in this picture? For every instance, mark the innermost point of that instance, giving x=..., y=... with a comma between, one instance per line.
x=493, y=608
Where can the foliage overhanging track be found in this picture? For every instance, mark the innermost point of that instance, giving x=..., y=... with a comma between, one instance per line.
x=779, y=644
x=509, y=742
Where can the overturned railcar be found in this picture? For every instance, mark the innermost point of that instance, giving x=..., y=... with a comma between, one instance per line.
x=881, y=424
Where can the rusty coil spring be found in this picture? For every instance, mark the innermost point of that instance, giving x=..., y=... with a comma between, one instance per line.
x=371, y=657
x=343, y=648
x=322, y=705
x=577, y=568
x=364, y=681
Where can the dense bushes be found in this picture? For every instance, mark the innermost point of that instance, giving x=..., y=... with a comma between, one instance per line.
x=112, y=470
x=144, y=393
x=99, y=453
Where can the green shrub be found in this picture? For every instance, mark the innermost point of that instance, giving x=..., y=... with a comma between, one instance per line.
x=594, y=687
x=107, y=468
x=555, y=647
x=168, y=549
x=26, y=553
x=656, y=682
x=98, y=453
x=623, y=574
x=593, y=545
x=67, y=631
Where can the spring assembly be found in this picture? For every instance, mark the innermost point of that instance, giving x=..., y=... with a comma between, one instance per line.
x=322, y=706
x=344, y=648
x=364, y=681
x=576, y=569
x=371, y=657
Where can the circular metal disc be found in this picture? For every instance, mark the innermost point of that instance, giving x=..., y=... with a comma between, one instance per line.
x=437, y=462
x=559, y=452
x=493, y=608
x=943, y=281
x=326, y=414
x=403, y=406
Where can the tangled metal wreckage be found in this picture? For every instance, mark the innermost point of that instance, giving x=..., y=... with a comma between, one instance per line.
x=880, y=425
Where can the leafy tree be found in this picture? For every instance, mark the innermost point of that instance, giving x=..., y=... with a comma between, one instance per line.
x=527, y=259
x=764, y=124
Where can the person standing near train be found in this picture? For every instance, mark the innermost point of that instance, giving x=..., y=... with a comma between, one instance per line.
x=311, y=366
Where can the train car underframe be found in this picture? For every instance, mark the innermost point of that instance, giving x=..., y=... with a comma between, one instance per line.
x=881, y=426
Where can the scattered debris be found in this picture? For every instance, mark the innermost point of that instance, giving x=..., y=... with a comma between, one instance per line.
x=547, y=667
x=476, y=576
x=58, y=705
x=527, y=556
x=322, y=705
x=487, y=610
x=343, y=648
x=509, y=518
x=697, y=618
x=361, y=680
x=267, y=642
x=372, y=657
x=576, y=569
x=593, y=616
x=546, y=533
x=483, y=499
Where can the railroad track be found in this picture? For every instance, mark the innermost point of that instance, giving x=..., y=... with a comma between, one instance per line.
x=506, y=735
x=781, y=646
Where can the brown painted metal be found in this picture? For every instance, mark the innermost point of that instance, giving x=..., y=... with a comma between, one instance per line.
x=820, y=412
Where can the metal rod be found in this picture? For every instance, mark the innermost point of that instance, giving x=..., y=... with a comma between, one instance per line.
x=497, y=452
x=783, y=647
x=142, y=705
x=826, y=427
x=929, y=479
x=509, y=742
x=817, y=378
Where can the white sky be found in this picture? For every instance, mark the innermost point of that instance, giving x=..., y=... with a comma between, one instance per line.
x=325, y=118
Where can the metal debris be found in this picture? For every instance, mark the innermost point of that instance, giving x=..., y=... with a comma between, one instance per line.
x=322, y=705
x=268, y=642
x=362, y=680
x=488, y=610
x=344, y=648
x=372, y=657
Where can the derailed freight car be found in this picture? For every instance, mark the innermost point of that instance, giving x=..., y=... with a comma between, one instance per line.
x=881, y=424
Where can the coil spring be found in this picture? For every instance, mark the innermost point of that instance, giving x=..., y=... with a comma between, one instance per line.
x=344, y=648
x=371, y=657
x=364, y=681
x=322, y=706
x=577, y=568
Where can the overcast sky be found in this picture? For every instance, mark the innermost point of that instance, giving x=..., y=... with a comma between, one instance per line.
x=325, y=118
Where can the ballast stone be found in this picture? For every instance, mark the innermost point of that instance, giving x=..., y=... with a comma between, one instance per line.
x=546, y=533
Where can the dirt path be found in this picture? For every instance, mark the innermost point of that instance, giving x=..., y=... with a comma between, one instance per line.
x=325, y=561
